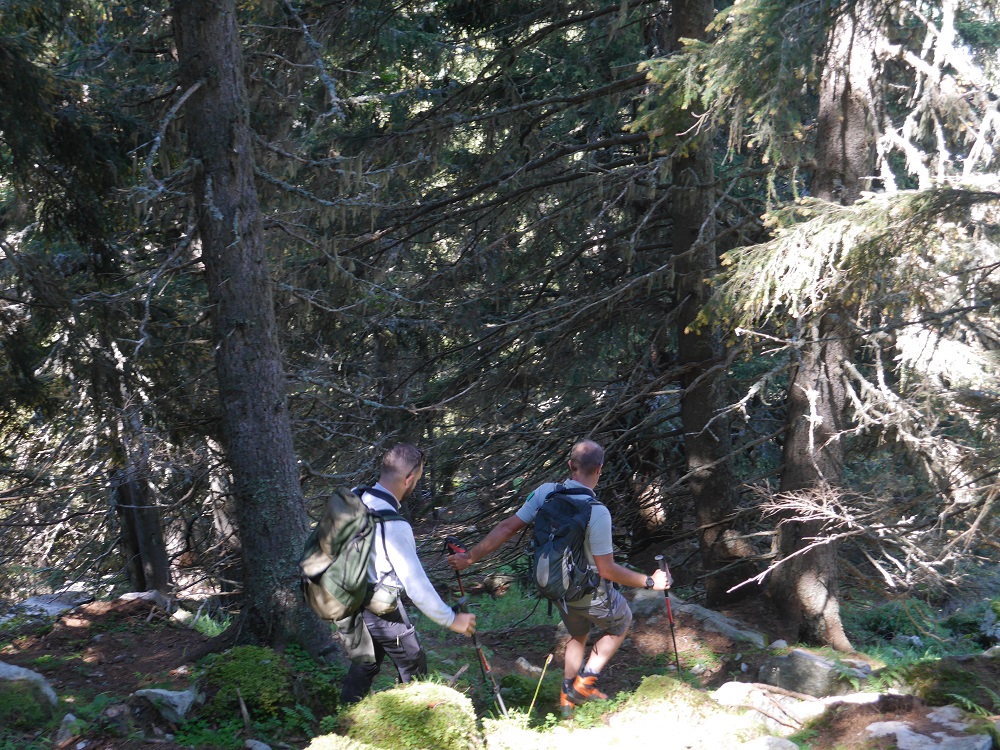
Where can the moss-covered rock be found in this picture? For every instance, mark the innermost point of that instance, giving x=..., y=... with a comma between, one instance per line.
x=656, y=688
x=416, y=715
x=22, y=706
x=967, y=681
x=259, y=675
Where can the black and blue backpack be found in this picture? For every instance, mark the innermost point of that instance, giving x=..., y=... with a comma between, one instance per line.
x=561, y=570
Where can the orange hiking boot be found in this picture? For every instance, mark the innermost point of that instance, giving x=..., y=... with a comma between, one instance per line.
x=584, y=688
x=566, y=705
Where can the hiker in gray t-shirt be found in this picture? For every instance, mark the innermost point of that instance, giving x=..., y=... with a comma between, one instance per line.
x=605, y=608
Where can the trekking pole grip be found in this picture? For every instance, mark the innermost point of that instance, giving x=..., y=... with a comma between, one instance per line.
x=452, y=545
x=661, y=561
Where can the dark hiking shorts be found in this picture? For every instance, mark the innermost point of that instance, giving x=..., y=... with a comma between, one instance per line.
x=605, y=609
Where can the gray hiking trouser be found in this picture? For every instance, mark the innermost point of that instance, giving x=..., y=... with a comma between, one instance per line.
x=392, y=636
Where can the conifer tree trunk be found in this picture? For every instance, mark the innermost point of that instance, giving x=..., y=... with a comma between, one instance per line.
x=707, y=440
x=806, y=587
x=255, y=423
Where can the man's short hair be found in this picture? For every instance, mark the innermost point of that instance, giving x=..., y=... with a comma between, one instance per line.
x=587, y=456
x=402, y=459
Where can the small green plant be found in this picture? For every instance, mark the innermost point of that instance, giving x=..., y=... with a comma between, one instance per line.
x=804, y=737
x=327, y=725
x=969, y=705
x=847, y=674
x=92, y=709
x=592, y=713
x=203, y=734
x=297, y=719
x=888, y=677
x=210, y=627
x=51, y=661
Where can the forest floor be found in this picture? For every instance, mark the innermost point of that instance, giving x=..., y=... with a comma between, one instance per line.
x=115, y=648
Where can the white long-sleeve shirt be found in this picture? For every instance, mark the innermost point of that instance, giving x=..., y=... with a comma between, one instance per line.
x=398, y=557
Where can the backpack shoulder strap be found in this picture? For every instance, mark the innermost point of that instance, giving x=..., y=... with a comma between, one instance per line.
x=562, y=489
x=381, y=517
x=359, y=491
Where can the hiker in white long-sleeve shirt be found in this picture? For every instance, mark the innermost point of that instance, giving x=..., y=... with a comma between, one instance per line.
x=395, y=567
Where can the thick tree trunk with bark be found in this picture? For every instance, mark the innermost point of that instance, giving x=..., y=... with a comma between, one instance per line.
x=255, y=423
x=707, y=440
x=806, y=587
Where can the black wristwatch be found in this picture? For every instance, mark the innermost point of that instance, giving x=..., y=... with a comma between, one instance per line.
x=649, y=582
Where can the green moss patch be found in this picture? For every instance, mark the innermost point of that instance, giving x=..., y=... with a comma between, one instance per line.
x=257, y=675
x=518, y=691
x=965, y=681
x=416, y=715
x=21, y=705
x=665, y=688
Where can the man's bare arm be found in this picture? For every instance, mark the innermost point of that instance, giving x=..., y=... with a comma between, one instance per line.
x=609, y=570
x=500, y=533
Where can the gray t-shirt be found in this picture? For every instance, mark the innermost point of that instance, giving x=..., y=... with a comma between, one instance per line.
x=598, y=541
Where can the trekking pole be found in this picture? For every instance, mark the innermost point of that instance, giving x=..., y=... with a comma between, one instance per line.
x=451, y=544
x=670, y=614
x=548, y=660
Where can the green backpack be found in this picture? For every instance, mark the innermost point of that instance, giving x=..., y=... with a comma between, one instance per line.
x=334, y=561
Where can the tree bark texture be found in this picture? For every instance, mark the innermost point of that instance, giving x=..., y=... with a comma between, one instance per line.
x=707, y=439
x=806, y=587
x=142, y=541
x=255, y=423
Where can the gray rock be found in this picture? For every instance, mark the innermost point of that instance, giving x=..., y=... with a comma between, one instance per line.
x=992, y=652
x=53, y=605
x=173, y=705
x=907, y=739
x=951, y=717
x=805, y=672
x=526, y=666
x=776, y=712
x=40, y=686
x=778, y=644
x=648, y=603
x=152, y=596
x=718, y=623
x=117, y=719
x=68, y=729
x=256, y=745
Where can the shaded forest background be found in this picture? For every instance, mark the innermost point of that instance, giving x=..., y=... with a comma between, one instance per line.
x=752, y=249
